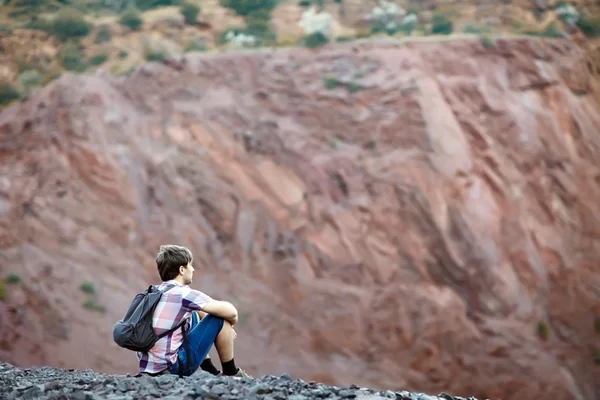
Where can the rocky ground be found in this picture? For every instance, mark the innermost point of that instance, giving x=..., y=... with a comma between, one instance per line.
x=53, y=383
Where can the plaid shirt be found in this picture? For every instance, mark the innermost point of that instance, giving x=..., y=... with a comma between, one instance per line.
x=174, y=306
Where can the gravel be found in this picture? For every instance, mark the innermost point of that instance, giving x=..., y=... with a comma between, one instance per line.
x=59, y=384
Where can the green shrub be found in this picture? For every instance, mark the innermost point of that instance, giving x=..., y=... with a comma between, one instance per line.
x=330, y=82
x=69, y=23
x=590, y=26
x=316, y=39
x=70, y=57
x=88, y=287
x=155, y=55
x=542, y=330
x=486, y=40
x=353, y=86
x=123, y=54
x=92, y=305
x=131, y=18
x=304, y=3
x=29, y=80
x=103, y=35
x=190, y=12
x=7, y=93
x=149, y=4
x=258, y=25
x=246, y=7
x=3, y=292
x=473, y=28
x=12, y=277
x=40, y=24
x=198, y=44
x=552, y=31
x=98, y=59
x=441, y=25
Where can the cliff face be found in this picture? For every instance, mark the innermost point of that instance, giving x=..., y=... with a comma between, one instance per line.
x=399, y=215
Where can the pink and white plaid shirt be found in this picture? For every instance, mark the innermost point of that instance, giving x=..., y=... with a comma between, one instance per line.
x=174, y=306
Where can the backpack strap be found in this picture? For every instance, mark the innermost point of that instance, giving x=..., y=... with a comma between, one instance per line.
x=187, y=349
x=165, y=333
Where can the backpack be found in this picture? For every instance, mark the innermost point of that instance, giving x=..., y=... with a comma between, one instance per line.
x=135, y=331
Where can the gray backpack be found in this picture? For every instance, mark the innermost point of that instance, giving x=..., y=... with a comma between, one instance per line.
x=135, y=331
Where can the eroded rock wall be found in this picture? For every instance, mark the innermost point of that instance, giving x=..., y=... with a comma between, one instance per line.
x=420, y=215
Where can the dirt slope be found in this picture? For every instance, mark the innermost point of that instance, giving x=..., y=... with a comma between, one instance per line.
x=417, y=216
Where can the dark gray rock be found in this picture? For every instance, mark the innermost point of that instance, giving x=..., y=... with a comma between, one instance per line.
x=55, y=384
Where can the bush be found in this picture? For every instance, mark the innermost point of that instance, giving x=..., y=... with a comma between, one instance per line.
x=316, y=27
x=92, y=305
x=486, y=41
x=29, y=80
x=7, y=93
x=103, y=35
x=131, y=19
x=70, y=57
x=567, y=14
x=115, y=5
x=589, y=26
x=88, y=287
x=149, y=4
x=258, y=25
x=198, y=44
x=441, y=25
x=552, y=31
x=543, y=331
x=386, y=17
x=189, y=12
x=13, y=277
x=155, y=55
x=409, y=24
x=238, y=38
x=246, y=7
x=304, y=3
x=315, y=40
x=330, y=82
x=69, y=23
x=98, y=59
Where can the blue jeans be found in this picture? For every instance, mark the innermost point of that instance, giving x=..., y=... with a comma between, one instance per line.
x=200, y=338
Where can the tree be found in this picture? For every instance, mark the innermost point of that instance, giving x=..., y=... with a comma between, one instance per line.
x=247, y=7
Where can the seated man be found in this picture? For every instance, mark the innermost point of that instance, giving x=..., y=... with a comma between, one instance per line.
x=208, y=321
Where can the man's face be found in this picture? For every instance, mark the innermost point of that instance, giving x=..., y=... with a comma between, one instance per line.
x=188, y=273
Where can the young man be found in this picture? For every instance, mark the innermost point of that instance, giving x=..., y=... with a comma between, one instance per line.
x=207, y=321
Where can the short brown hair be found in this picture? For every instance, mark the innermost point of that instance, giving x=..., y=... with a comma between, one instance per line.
x=169, y=258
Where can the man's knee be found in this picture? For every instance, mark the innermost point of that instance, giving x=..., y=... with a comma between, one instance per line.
x=221, y=322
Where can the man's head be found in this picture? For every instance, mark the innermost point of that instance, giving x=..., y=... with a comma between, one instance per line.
x=175, y=262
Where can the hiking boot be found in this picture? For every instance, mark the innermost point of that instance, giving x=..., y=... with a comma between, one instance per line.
x=242, y=374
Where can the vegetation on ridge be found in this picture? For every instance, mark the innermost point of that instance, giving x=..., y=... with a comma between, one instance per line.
x=117, y=35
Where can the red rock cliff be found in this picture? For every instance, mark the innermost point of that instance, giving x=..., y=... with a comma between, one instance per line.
x=420, y=215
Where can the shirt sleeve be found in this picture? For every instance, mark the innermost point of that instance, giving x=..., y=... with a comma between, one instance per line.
x=194, y=299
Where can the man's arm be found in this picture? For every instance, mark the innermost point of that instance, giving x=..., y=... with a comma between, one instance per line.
x=223, y=309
